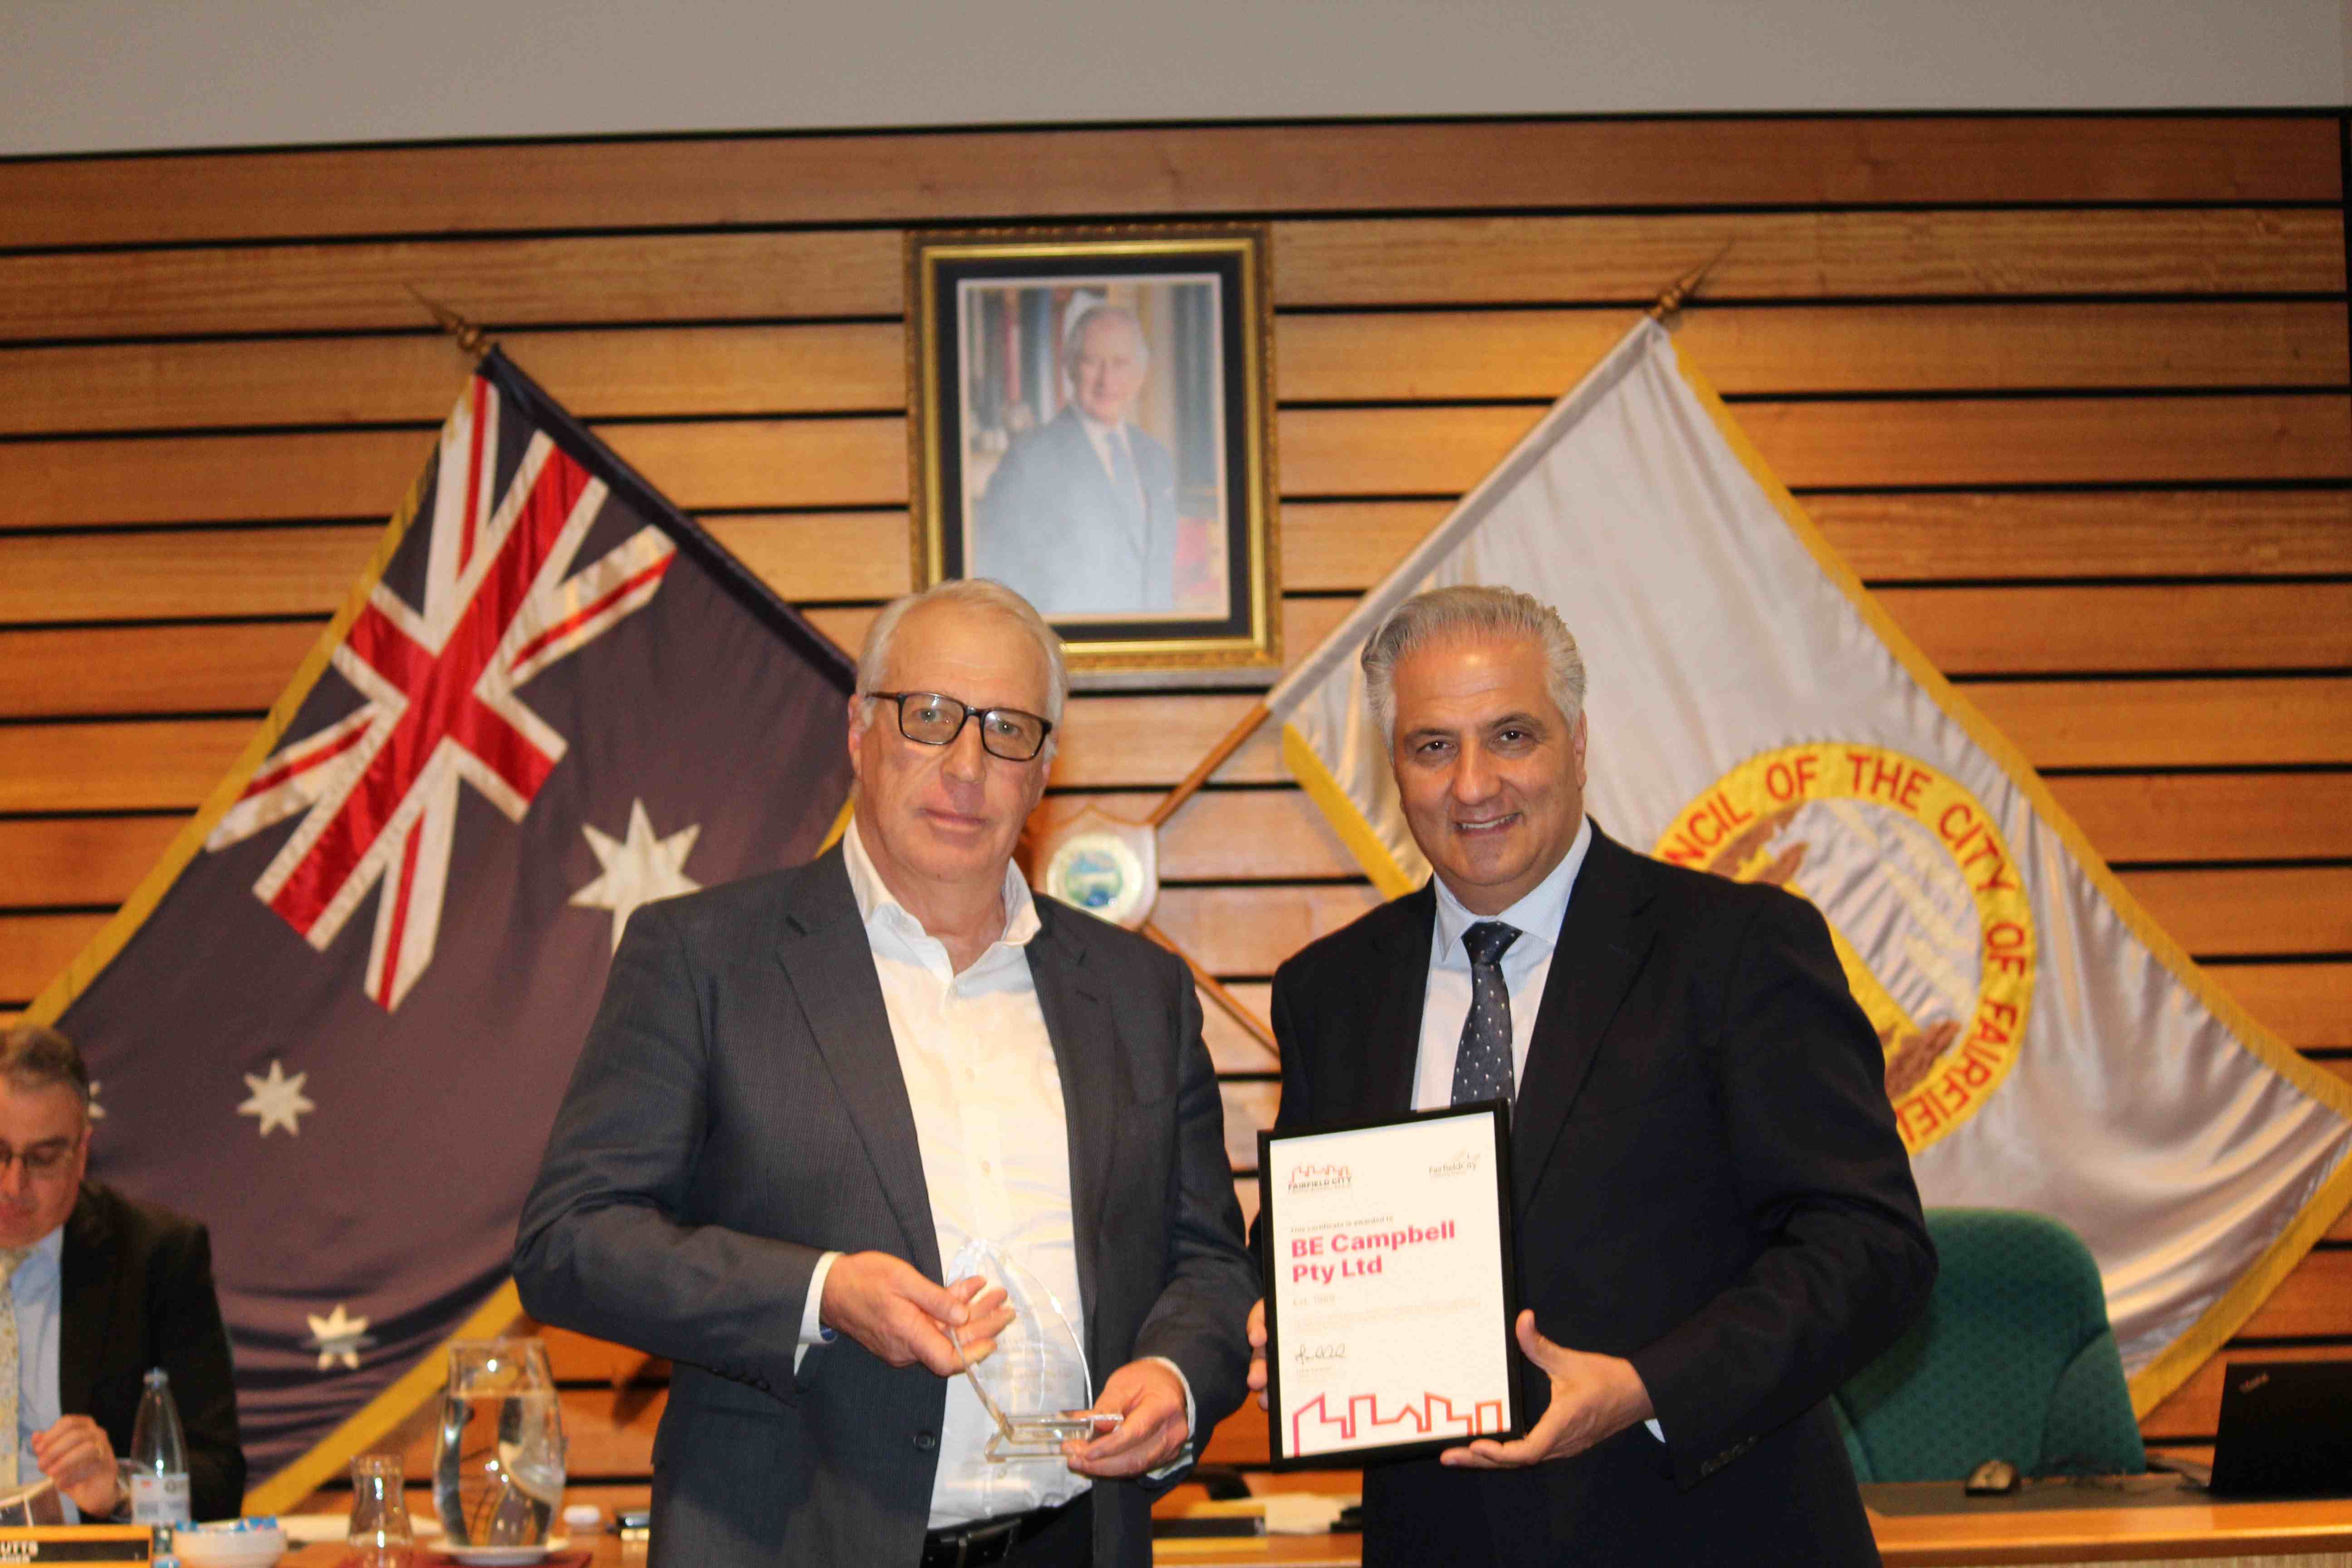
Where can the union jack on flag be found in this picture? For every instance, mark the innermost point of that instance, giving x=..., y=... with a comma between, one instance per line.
x=378, y=788
x=552, y=698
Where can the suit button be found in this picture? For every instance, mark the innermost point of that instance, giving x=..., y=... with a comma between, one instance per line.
x=927, y=1441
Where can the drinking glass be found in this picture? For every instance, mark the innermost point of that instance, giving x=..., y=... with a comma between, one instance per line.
x=379, y=1534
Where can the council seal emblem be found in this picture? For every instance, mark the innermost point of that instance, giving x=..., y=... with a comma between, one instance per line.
x=1103, y=866
x=1924, y=901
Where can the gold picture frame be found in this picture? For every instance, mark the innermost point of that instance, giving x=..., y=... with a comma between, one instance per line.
x=1090, y=422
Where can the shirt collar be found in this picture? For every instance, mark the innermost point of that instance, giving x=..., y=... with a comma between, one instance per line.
x=43, y=1254
x=1537, y=916
x=876, y=904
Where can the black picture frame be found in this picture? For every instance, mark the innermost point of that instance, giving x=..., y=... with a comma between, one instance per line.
x=1515, y=1420
x=1160, y=556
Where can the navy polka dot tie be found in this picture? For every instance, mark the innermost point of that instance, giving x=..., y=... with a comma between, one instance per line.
x=1482, y=1063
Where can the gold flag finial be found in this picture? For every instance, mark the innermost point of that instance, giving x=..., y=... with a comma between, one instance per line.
x=470, y=337
x=1680, y=290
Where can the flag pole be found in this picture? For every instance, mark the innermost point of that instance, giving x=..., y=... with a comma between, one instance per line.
x=1670, y=300
x=1679, y=291
x=1216, y=989
x=1224, y=749
x=471, y=340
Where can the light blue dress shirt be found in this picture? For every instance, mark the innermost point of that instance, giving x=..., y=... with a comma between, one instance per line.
x=37, y=1289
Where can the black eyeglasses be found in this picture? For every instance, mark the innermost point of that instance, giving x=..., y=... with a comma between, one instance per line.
x=44, y=1159
x=933, y=720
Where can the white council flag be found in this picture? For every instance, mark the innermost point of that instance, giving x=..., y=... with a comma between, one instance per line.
x=1754, y=714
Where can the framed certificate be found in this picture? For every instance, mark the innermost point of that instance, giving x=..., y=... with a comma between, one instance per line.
x=1390, y=1288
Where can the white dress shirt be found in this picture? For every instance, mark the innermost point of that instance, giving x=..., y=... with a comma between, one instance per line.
x=1526, y=965
x=1108, y=441
x=994, y=1137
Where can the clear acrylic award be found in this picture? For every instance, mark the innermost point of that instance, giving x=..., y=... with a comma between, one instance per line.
x=1034, y=1384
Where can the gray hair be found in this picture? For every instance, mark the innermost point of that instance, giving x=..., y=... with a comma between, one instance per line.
x=33, y=1055
x=1443, y=614
x=977, y=593
x=1072, y=334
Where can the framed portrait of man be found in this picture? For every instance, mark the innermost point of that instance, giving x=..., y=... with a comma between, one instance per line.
x=1090, y=426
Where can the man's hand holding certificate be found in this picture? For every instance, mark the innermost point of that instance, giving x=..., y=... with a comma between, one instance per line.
x=1593, y=1398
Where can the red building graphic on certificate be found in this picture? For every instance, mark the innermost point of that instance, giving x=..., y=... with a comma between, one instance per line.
x=1316, y=1429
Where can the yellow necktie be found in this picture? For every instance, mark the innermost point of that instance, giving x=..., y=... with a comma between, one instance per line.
x=10, y=1257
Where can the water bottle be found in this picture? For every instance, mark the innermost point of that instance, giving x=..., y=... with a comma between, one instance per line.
x=159, y=1459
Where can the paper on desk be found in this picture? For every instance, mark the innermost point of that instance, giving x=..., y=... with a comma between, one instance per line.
x=1286, y=1513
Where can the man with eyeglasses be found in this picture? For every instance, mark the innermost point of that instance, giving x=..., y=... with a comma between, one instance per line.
x=806, y=1091
x=94, y=1289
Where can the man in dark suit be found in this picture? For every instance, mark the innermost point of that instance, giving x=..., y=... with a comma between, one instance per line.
x=806, y=1092
x=1714, y=1217
x=98, y=1289
x=1080, y=517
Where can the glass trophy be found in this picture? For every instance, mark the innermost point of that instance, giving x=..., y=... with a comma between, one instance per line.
x=1034, y=1384
x=37, y=1502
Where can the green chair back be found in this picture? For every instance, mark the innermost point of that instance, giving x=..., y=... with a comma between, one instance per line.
x=2014, y=1360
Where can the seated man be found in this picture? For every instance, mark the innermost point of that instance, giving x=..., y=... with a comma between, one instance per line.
x=98, y=1289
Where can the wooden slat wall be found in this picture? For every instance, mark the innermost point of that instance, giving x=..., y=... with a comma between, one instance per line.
x=2075, y=395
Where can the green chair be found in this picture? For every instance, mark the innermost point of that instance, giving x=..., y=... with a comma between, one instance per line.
x=2014, y=1360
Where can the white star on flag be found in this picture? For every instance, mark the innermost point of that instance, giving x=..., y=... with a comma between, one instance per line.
x=339, y=1337
x=637, y=870
x=276, y=1099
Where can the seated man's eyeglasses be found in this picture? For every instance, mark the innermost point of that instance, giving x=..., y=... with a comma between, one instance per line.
x=935, y=720
x=43, y=1159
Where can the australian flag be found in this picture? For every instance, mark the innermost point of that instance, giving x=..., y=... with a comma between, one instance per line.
x=334, y=1024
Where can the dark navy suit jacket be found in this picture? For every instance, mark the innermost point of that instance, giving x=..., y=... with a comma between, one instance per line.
x=136, y=1290
x=1706, y=1180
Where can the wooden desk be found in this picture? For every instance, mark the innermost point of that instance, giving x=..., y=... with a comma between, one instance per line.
x=1272, y=1552
x=2308, y=1534
x=2312, y=1534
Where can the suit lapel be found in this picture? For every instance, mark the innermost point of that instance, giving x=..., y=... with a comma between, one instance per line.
x=823, y=951
x=85, y=1270
x=1084, y=1035
x=1602, y=940
x=1396, y=996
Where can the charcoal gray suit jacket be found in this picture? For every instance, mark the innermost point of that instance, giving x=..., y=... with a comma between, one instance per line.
x=737, y=1111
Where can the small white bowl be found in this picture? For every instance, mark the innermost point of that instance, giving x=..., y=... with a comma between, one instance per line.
x=202, y=1548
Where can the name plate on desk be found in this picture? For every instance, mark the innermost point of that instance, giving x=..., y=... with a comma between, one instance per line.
x=1389, y=1289
x=75, y=1544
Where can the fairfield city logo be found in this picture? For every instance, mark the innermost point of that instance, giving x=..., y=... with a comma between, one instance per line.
x=1926, y=901
x=1312, y=1178
x=1461, y=1164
